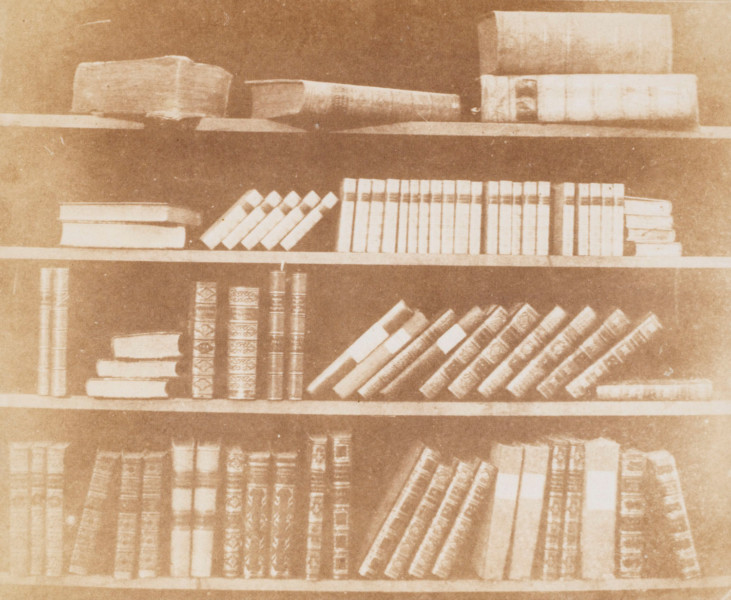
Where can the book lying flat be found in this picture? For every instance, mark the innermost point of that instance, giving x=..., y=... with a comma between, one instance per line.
x=656, y=389
x=122, y=235
x=131, y=212
x=113, y=387
x=136, y=369
x=147, y=345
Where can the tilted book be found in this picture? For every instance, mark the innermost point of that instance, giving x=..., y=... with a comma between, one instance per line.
x=292, y=221
x=317, y=461
x=271, y=220
x=128, y=515
x=44, y=332
x=59, y=330
x=281, y=536
x=374, y=235
x=235, y=214
x=243, y=329
x=207, y=459
x=257, y=515
x=632, y=514
x=656, y=389
x=54, y=534
x=233, y=510
x=296, y=327
x=154, y=473
x=19, y=531
x=347, y=211
x=308, y=222
x=165, y=87
x=252, y=219
x=181, y=509
x=275, y=336
x=574, y=502
x=204, y=339
x=38, y=508
x=549, y=546
x=342, y=472
x=517, y=42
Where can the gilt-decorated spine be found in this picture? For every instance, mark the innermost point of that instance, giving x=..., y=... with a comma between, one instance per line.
x=233, y=510
x=55, y=456
x=44, y=332
x=256, y=516
x=207, y=461
x=183, y=465
x=59, y=330
x=204, y=339
x=342, y=464
x=550, y=559
x=570, y=550
x=19, y=466
x=243, y=328
x=38, y=507
x=153, y=475
x=281, y=538
x=317, y=453
x=275, y=350
x=128, y=514
x=630, y=553
x=296, y=327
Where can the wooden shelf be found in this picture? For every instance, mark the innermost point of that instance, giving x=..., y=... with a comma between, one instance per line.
x=365, y=259
x=356, y=408
x=368, y=586
x=415, y=128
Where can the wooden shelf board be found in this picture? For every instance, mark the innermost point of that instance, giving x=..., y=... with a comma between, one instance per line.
x=365, y=259
x=367, y=586
x=355, y=408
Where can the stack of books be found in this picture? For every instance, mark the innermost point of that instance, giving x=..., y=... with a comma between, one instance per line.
x=489, y=350
x=560, y=508
x=258, y=222
x=125, y=224
x=554, y=67
x=650, y=230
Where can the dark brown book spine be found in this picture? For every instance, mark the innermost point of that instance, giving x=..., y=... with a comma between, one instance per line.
x=256, y=516
x=153, y=475
x=281, y=538
x=570, y=550
x=550, y=563
x=631, y=516
x=342, y=466
x=128, y=507
x=204, y=339
x=296, y=337
x=275, y=354
x=233, y=510
x=316, y=506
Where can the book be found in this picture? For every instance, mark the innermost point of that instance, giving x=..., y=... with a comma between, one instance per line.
x=436, y=195
x=505, y=217
x=138, y=369
x=599, y=515
x=338, y=103
x=377, y=333
x=122, y=235
x=656, y=389
x=449, y=200
x=443, y=520
x=618, y=219
x=631, y=514
x=85, y=553
x=251, y=219
x=342, y=468
x=346, y=225
x=492, y=216
x=475, y=244
x=44, y=332
x=296, y=327
x=130, y=212
x=308, y=222
x=494, y=534
x=291, y=221
x=516, y=222
x=651, y=236
x=281, y=535
x=549, y=541
x=643, y=333
x=207, y=459
x=516, y=42
x=154, y=473
x=672, y=249
x=203, y=362
x=317, y=483
x=664, y=222
x=668, y=100
x=59, y=330
x=595, y=219
x=155, y=345
x=165, y=87
x=652, y=207
x=529, y=226
x=398, y=503
x=19, y=510
x=128, y=516
x=234, y=215
x=412, y=237
x=361, y=218
x=573, y=504
x=543, y=233
x=243, y=328
x=464, y=524
x=425, y=204
x=463, y=224
x=54, y=530
x=233, y=510
x=271, y=220
x=529, y=509
x=257, y=511
x=581, y=227
x=115, y=387
x=564, y=208
x=402, y=232
x=183, y=455
x=38, y=508
x=391, y=216
x=276, y=336
x=374, y=234
x=606, y=242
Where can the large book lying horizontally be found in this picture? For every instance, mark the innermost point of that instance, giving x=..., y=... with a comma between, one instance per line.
x=122, y=235
x=130, y=212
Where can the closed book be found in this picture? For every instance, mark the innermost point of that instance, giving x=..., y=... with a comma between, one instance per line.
x=281, y=536
x=607, y=226
x=529, y=510
x=381, y=355
x=44, y=331
x=38, y=508
x=131, y=212
x=424, y=216
x=407, y=355
x=398, y=503
x=463, y=355
x=340, y=530
x=656, y=389
x=252, y=219
x=85, y=553
x=203, y=360
x=668, y=100
x=671, y=249
x=429, y=360
x=631, y=514
x=348, y=189
x=617, y=355
x=182, y=455
x=362, y=212
x=449, y=200
x=651, y=236
x=564, y=207
x=466, y=521
x=257, y=511
x=391, y=216
x=234, y=462
x=595, y=219
x=543, y=226
x=582, y=219
x=476, y=217
x=205, y=494
x=564, y=342
x=492, y=217
x=317, y=490
x=361, y=348
x=340, y=104
x=59, y=330
x=113, y=387
x=243, y=329
x=505, y=217
x=402, y=233
x=375, y=215
x=19, y=528
x=514, y=42
x=165, y=87
x=307, y=224
x=436, y=216
x=271, y=220
x=293, y=219
x=122, y=235
x=649, y=222
x=492, y=548
x=650, y=207
x=129, y=506
x=156, y=345
x=296, y=327
x=611, y=329
x=154, y=474
x=138, y=369
x=529, y=226
x=54, y=534
x=549, y=541
x=599, y=516
x=226, y=223
x=463, y=217
x=407, y=546
x=275, y=336
x=516, y=221
x=574, y=501
x=443, y=520
x=412, y=240
x=618, y=219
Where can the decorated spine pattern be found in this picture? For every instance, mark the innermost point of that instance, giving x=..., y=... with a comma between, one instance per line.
x=317, y=453
x=207, y=461
x=204, y=339
x=283, y=513
x=183, y=461
x=59, y=330
x=342, y=464
x=630, y=553
x=550, y=564
x=38, y=508
x=256, y=516
x=570, y=550
x=128, y=514
x=243, y=328
x=153, y=472
x=19, y=464
x=275, y=355
x=44, y=332
x=233, y=511
x=296, y=337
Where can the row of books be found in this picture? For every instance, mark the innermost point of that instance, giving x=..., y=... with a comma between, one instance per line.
x=489, y=350
x=563, y=508
x=53, y=325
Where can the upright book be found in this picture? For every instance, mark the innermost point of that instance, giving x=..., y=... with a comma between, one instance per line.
x=154, y=475
x=317, y=490
x=128, y=516
x=281, y=534
x=55, y=503
x=181, y=499
x=340, y=530
x=19, y=496
x=631, y=514
x=59, y=330
x=205, y=492
x=257, y=510
x=243, y=329
x=233, y=510
x=276, y=335
x=296, y=328
x=38, y=508
x=203, y=359
x=44, y=332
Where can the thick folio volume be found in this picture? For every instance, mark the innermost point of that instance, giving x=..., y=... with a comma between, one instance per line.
x=521, y=42
x=243, y=325
x=281, y=535
x=204, y=339
x=549, y=549
x=153, y=475
x=257, y=510
x=128, y=512
x=669, y=100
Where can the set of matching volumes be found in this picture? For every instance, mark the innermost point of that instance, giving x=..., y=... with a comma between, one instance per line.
x=650, y=228
x=490, y=350
x=267, y=222
x=554, y=67
x=53, y=328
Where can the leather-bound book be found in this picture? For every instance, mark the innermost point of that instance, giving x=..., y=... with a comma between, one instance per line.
x=574, y=502
x=38, y=508
x=233, y=510
x=669, y=389
x=374, y=235
x=632, y=514
x=361, y=217
x=19, y=530
x=154, y=474
x=204, y=339
x=59, y=330
x=271, y=220
x=549, y=545
x=44, y=332
x=243, y=328
x=308, y=222
x=257, y=513
x=317, y=490
x=342, y=473
x=183, y=466
x=347, y=211
x=275, y=336
x=54, y=534
x=228, y=221
x=207, y=459
x=296, y=327
x=491, y=228
x=128, y=515
x=252, y=219
x=389, y=239
x=291, y=221
x=281, y=535
x=564, y=209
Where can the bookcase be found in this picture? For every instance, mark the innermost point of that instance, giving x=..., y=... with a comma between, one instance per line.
x=50, y=156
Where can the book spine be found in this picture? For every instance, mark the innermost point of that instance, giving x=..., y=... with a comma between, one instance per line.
x=516, y=221
x=595, y=219
x=342, y=465
x=492, y=217
x=564, y=204
x=570, y=551
x=252, y=219
x=390, y=216
x=222, y=226
x=281, y=538
x=449, y=201
x=582, y=219
x=474, y=219
x=309, y=221
x=543, y=225
x=59, y=330
x=183, y=463
x=84, y=554
x=505, y=217
x=425, y=205
x=256, y=516
x=670, y=390
x=375, y=215
x=125, y=556
x=630, y=553
x=204, y=508
x=462, y=217
x=296, y=327
x=275, y=354
x=243, y=328
x=55, y=470
x=402, y=236
x=347, y=211
x=233, y=511
x=465, y=522
x=550, y=555
x=436, y=194
x=607, y=237
x=412, y=238
x=292, y=220
x=317, y=452
x=44, y=332
x=38, y=508
x=153, y=475
x=280, y=212
x=361, y=217
x=204, y=339
x=530, y=218
x=20, y=498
